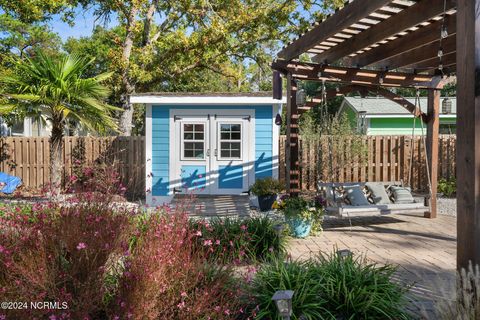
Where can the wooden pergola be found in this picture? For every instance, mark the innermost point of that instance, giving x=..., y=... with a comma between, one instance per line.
x=374, y=45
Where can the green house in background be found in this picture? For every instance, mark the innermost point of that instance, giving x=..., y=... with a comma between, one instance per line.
x=381, y=116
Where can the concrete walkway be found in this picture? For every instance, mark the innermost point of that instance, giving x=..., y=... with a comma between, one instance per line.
x=424, y=249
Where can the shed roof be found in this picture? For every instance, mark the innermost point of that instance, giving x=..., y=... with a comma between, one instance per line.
x=383, y=107
x=206, y=98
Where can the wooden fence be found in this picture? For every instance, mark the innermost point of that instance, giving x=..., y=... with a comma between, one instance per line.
x=29, y=157
x=381, y=158
x=386, y=158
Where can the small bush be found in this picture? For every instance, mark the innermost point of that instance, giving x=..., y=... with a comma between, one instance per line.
x=298, y=276
x=60, y=253
x=447, y=186
x=330, y=287
x=266, y=187
x=167, y=276
x=232, y=240
x=357, y=289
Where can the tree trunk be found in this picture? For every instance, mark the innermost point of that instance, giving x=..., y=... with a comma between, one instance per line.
x=128, y=87
x=56, y=165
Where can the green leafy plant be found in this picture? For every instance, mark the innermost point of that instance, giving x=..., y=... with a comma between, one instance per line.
x=447, y=186
x=357, y=289
x=266, y=187
x=298, y=276
x=331, y=287
x=234, y=240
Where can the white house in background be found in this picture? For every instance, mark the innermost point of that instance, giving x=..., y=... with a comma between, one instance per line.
x=214, y=144
x=381, y=116
x=32, y=128
x=26, y=128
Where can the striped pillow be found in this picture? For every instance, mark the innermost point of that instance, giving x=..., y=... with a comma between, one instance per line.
x=402, y=195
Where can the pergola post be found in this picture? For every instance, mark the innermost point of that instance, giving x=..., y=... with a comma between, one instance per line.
x=433, y=122
x=468, y=133
x=291, y=150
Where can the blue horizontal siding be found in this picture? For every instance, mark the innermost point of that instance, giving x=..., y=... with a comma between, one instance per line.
x=263, y=142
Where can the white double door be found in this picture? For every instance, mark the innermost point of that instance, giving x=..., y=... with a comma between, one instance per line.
x=212, y=151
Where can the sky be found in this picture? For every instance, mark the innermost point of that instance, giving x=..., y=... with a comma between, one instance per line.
x=84, y=24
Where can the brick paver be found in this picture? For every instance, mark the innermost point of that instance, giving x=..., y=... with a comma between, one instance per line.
x=424, y=249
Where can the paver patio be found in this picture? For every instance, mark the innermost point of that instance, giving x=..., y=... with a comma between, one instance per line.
x=424, y=249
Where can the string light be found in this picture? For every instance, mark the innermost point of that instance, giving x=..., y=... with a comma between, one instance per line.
x=444, y=32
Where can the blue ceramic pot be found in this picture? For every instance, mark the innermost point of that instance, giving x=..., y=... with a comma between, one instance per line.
x=299, y=227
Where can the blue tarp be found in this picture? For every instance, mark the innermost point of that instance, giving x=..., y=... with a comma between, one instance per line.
x=11, y=183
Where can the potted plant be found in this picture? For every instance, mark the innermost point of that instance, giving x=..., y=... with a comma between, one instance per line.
x=301, y=215
x=266, y=189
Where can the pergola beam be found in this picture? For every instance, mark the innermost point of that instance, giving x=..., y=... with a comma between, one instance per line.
x=420, y=54
x=344, y=18
x=433, y=63
x=317, y=72
x=405, y=19
x=418, y=38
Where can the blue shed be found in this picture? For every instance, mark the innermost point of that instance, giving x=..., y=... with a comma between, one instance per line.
x=210, y=144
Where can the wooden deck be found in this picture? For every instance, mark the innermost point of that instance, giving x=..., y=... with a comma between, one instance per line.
x=424, y=249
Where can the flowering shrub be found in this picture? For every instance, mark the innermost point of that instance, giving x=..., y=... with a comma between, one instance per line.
x=64, y=252
x=233, y=240
x=167, y=276
x=60, y=254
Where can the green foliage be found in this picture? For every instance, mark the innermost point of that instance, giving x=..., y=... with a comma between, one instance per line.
x=298, y=276
x=331, y=287
x=20, y=38
x=266, y=187
x=357, y=289
x=37, y=10
x=43, y=86
x=447, y=186
x=233, y=240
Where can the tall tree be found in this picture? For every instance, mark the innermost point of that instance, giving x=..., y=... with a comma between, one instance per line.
x=57, y=89
x=162, y=40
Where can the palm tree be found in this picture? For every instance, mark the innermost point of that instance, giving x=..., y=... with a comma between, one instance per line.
x=56, y=90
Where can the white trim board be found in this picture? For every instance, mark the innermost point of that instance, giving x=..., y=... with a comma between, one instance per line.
x=148, y=156
x=204, y=100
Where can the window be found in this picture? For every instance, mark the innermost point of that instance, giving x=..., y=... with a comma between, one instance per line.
x=193, y=141
x=230, y=140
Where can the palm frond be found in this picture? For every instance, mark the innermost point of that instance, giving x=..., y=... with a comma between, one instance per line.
x=58, y=86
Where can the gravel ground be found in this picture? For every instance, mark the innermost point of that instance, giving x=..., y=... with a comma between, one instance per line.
x=447, y=206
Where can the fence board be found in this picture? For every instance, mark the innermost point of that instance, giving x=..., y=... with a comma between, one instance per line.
x=387, y=158
x=29, y=157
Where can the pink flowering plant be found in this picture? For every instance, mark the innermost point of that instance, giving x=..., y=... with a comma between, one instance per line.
x=60, y=253
x=238, y=241
x=167, y=275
